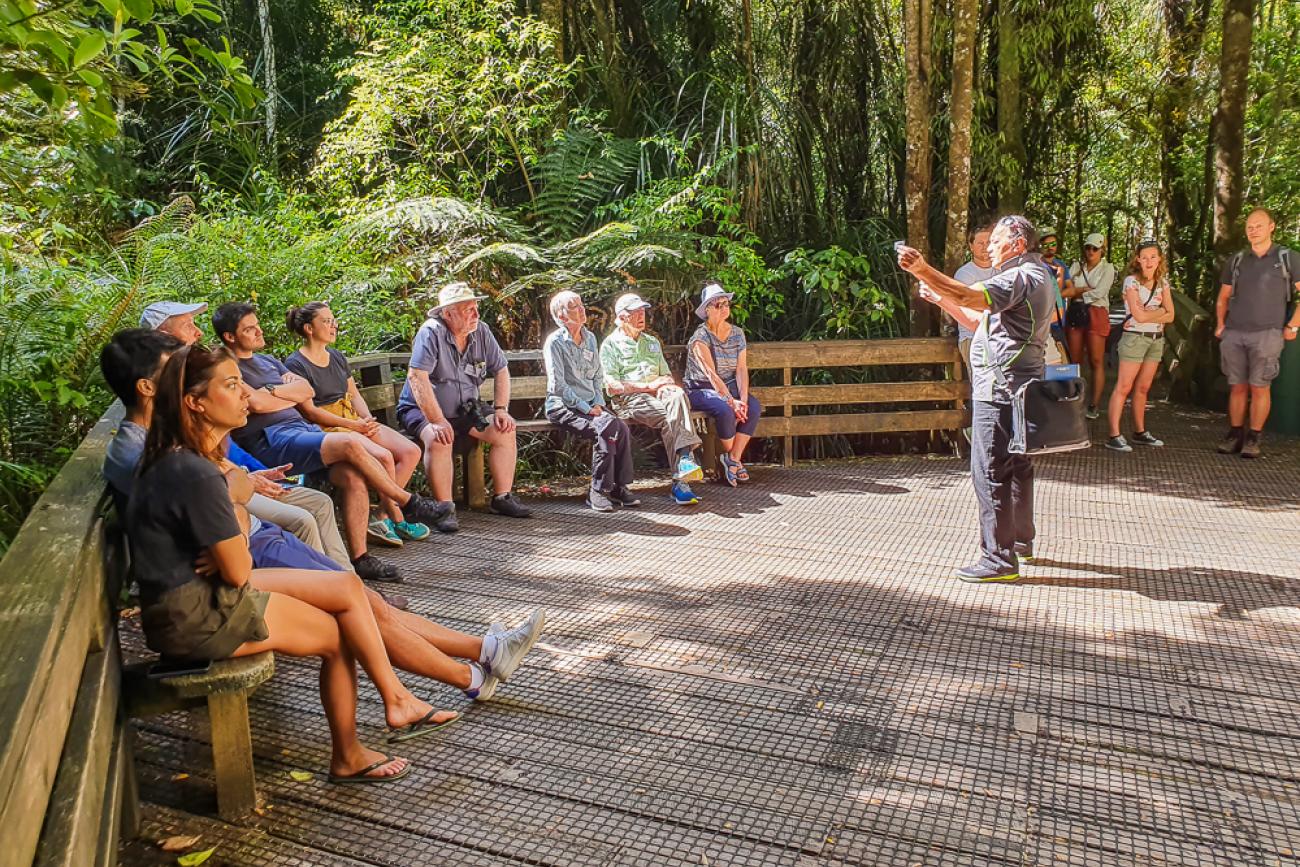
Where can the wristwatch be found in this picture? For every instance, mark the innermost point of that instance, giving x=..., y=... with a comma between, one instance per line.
x=270, y=388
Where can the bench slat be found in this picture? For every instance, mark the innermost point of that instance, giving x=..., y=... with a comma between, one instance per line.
x=847, y=423
x=852, y=353
x=873, y=392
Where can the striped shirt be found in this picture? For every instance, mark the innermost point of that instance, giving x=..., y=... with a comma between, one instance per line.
x=726, y=355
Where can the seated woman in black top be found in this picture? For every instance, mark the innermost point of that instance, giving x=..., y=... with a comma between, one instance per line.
x=181, y=513
x=338, y=406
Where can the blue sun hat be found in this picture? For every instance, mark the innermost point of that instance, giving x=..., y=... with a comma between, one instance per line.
x=712, y=292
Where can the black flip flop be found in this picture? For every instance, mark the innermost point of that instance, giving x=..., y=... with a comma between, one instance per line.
x=360, y=776
x=421, y=727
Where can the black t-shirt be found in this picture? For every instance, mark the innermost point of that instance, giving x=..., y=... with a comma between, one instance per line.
x=180, y=506
x=330, y=382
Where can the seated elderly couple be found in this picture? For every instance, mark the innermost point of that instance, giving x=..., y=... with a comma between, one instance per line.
x=307, y=414
x=631, y=367
x=216, y=582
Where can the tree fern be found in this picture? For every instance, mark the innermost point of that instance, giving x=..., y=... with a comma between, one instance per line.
x=580, y=170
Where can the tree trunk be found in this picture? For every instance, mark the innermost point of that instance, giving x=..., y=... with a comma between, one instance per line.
x=965, y=22
x=1185, y=22
x=916, y=182
x=753, y=201
x=1011, y=184
x=552, y=14
x=1230, y=121
x=268, y=68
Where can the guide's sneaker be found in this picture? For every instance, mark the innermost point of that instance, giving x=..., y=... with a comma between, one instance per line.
x=1231, y=444
x=1146, y=439
x=978, y=574
x=1118, y=444
x=1025, y=552
x=599, y=502
x=512, y=645
x=1250, y=445
x=381, y=532
x=688, y=470
x=1091, y=413
x=508, y=504
x=625, y=498
x=683, y=495
x=370, y=568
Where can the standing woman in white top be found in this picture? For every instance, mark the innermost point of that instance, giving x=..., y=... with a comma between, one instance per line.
x=1091, y=281
x=1150, y=305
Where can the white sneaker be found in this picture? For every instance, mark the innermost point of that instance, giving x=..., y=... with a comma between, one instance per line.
x=513, y=645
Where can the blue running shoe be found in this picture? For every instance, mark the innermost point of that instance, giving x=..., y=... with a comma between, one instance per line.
x=410, y=531
x=688, y=470
x=683, y=495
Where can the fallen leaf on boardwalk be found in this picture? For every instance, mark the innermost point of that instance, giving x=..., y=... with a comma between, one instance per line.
x=195, y=858
x=177, y=844
x=302, y=776
x=821, y=704
x=128, y=613
x=638, y=791
x=176, y=778
x=1017, y=665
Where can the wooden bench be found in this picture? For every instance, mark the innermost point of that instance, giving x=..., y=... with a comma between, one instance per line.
x=938, y=359
x=67, y=781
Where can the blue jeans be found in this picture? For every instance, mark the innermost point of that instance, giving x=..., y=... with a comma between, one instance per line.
x=710, y=402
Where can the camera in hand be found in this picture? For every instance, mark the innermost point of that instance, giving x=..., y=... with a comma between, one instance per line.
x=479, y=412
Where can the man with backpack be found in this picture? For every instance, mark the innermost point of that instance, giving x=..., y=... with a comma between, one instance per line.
x=1255, y=317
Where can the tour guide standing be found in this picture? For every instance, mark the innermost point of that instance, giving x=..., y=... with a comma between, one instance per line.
x=1016, y=305
x=1256, y=286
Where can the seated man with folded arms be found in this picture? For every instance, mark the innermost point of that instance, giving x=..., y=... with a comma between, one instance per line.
x=575, y=401
x=452, y=355
x=131, y=363
x=642, y=391
x=277, y=434
x=305, y=512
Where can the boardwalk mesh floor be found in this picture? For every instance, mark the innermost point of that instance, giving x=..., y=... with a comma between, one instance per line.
x=787, y=675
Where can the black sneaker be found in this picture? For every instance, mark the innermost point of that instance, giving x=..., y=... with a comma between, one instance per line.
x=1025, y=552
x=1231, y=443
x=979, y=574
x=426, y=510
x=370, y=568
x=448, y=524
x=1144, y=438
x=624, y=497
x=509, y=505
x=1250, y=445
x=599, y=502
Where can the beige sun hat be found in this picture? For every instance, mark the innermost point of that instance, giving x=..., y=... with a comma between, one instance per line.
x=454, y=293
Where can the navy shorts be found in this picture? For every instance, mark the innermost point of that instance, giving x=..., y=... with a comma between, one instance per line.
x=271, y=547
x=413, y=422
x=291, y=442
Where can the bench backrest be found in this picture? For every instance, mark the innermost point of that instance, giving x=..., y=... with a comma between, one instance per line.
x=64, y=758
x=933, y=381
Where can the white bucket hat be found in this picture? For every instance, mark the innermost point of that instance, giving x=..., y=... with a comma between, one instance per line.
x=159, y=312
x=711, y=293
x=454, y=293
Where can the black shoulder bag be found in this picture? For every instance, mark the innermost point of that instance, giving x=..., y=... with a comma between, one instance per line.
x=1047, y=415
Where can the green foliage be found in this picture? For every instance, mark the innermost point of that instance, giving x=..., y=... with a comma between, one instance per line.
x=461, y=106
x=852, y=305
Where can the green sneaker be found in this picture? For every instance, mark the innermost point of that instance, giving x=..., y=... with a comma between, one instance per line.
x=410, y=531
x=381, y=532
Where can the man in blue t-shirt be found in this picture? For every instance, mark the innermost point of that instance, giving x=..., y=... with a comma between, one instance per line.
x=277, y=434
x=1007, y=352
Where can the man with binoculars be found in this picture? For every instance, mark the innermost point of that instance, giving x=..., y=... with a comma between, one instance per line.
x=452, y=355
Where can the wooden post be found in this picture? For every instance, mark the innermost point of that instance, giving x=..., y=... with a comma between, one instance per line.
x=475, y=487
x=710, y=446
x=129, y=814
x=232, y=755
x=787, y=379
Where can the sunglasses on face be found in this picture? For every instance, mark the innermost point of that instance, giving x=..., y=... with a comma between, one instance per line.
x=718, y=305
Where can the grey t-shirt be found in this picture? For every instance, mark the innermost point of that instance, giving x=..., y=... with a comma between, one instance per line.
x=1262, y=292
x=330, y=381
x=259, y=371
x=970, y=274
x=455, y=375
x=1013, y=334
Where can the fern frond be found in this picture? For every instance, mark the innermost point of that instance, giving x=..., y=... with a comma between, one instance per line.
x=580, y=170
x=504, y=252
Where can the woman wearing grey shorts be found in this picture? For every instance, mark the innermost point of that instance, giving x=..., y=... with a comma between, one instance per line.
x=1150, y=305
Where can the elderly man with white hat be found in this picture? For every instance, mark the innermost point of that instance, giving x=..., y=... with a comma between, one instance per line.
x=175, y=318
x=642, y=391
x=452, y=355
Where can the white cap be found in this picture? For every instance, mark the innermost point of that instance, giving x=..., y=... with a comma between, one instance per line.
x=711, y=293
x=454, y=293
x=1096, y=239
x=158, y=313
x=629, y=302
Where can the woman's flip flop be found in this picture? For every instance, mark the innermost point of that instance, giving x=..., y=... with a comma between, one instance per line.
x=421, y=727
x=361, y=775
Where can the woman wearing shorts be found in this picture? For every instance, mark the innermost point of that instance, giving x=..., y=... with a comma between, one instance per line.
x=1092, y=278
x=1150, y=305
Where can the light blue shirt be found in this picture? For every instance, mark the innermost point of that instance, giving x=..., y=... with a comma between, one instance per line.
x=574, y=375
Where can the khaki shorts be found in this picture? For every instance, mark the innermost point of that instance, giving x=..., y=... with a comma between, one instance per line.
x=204, y=619
x=1140, y=348
x=1251, y=357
